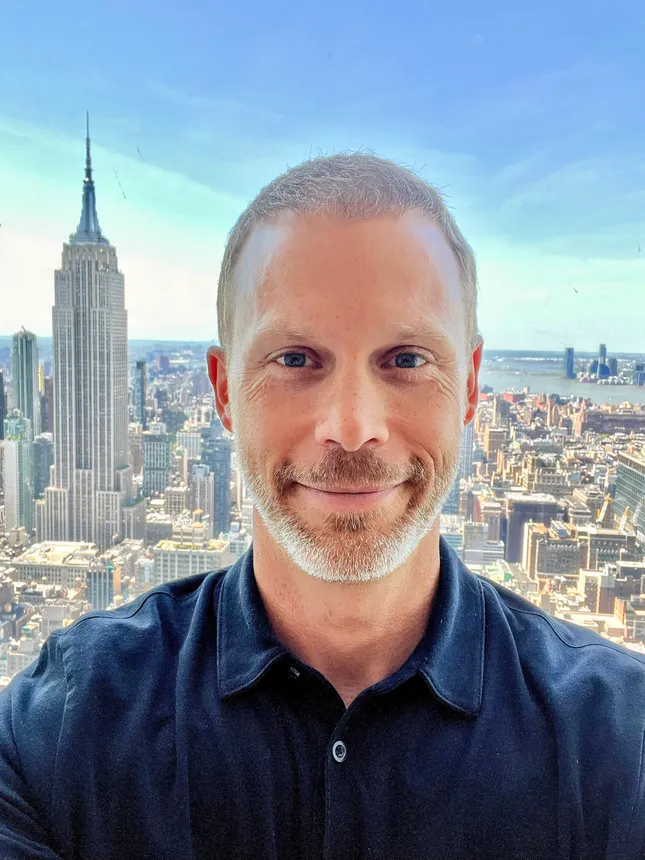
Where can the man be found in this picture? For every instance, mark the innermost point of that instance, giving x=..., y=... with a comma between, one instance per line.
x=347, y=689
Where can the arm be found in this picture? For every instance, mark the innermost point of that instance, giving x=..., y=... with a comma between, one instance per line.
x=31, y=714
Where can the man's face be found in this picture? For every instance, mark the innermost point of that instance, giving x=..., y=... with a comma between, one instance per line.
x=350, y=370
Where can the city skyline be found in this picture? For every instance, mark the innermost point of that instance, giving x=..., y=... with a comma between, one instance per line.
x=534, y=139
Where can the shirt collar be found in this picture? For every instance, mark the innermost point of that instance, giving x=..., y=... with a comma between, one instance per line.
x=450, y=657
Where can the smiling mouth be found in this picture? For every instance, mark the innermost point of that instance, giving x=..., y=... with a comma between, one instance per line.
x=356, y=491
x=348, y=499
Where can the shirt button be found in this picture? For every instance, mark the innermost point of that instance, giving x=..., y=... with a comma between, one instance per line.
x=339, y=751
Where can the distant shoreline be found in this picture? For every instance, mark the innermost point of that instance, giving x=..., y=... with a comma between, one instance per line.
x=489, y=354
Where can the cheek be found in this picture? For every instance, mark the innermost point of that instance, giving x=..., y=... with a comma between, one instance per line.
x=439, y=424
x=265, y=419
x=439, y=402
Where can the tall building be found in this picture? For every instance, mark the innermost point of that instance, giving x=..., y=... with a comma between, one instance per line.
x=467, y=445
x=216, y=454
x=638, y=377
x=24, y=371
x=156, y=458
x=18, y=473
x=191, y=442
x=47, y=405
x=494, y=440
x=134, y=445
x=520, y=509
x=568, y=363
x=93, y=479
x=140, y=380
x=103, y=583
x=501, y=412
x=43, y=460
x=602, y=354
x=451, y=504
x=2, y=406
x=630, y=490
x=203, y=492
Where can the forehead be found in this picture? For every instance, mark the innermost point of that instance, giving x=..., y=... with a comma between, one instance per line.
x=346, y=273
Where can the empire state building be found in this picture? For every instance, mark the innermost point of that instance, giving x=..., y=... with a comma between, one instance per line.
x=91, y=492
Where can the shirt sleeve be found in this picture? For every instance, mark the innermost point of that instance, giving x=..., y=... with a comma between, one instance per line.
x=31, y=716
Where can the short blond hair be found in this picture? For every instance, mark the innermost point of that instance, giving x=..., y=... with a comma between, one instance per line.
x=354, y=185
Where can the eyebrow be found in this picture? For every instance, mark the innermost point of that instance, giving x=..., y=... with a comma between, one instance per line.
x=422, y=332
x=406, y=333
x=284, y=332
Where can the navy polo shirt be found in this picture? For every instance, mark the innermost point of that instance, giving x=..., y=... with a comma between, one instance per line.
x=178, y=727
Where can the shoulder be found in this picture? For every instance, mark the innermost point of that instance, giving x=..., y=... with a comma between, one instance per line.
x=589, y=691
x=565, y=660
x=151, y=628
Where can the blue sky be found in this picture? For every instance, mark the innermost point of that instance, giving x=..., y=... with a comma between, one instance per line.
x=530, y=120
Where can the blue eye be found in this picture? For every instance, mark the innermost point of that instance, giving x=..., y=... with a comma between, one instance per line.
x=300, y=357
x=297, y=359
x=407, y=356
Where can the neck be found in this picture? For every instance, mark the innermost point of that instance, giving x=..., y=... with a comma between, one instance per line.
x=355, y=634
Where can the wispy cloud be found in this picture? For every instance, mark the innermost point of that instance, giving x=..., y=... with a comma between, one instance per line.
x=215, y=107
x=589, y=206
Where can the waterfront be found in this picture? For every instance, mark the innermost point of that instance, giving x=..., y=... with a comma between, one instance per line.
x=505, y=371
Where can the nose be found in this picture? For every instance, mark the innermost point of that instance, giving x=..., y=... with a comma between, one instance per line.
x=353, y=412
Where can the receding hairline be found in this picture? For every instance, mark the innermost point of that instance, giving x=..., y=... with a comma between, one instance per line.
x=292, y=219
x=347, y=185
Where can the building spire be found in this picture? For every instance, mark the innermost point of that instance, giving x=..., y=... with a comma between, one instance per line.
x=88, y=231
x=88, y=156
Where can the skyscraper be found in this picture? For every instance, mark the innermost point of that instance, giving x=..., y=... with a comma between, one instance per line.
x=103, y=582
x=216, y=454
x=18, y=474
x=520, y=509
x=92, y=476
x=451, y=504
x=47, y=406
x=140, y=376
x=467, y=443
x=24, y=371
x=202, y=486
x=630, y=490
x=156, y=457
x=2, y=406
x=568, y=363
x=602, y=353
x=43, y=459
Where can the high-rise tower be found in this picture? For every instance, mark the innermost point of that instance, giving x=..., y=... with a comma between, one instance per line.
x=18, y=473
x=92, y=477
x=2, y=406
x=140, y=377
x=24, y=372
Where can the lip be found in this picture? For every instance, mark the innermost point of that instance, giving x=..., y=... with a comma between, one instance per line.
x=347, y=490
x=350, y=499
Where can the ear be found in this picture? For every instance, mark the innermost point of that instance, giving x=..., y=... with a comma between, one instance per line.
x=472, y=392
x=219, y=380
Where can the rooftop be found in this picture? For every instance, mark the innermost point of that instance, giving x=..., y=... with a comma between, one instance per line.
x=50, y=553
x=177, y=546
x=535, y=498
